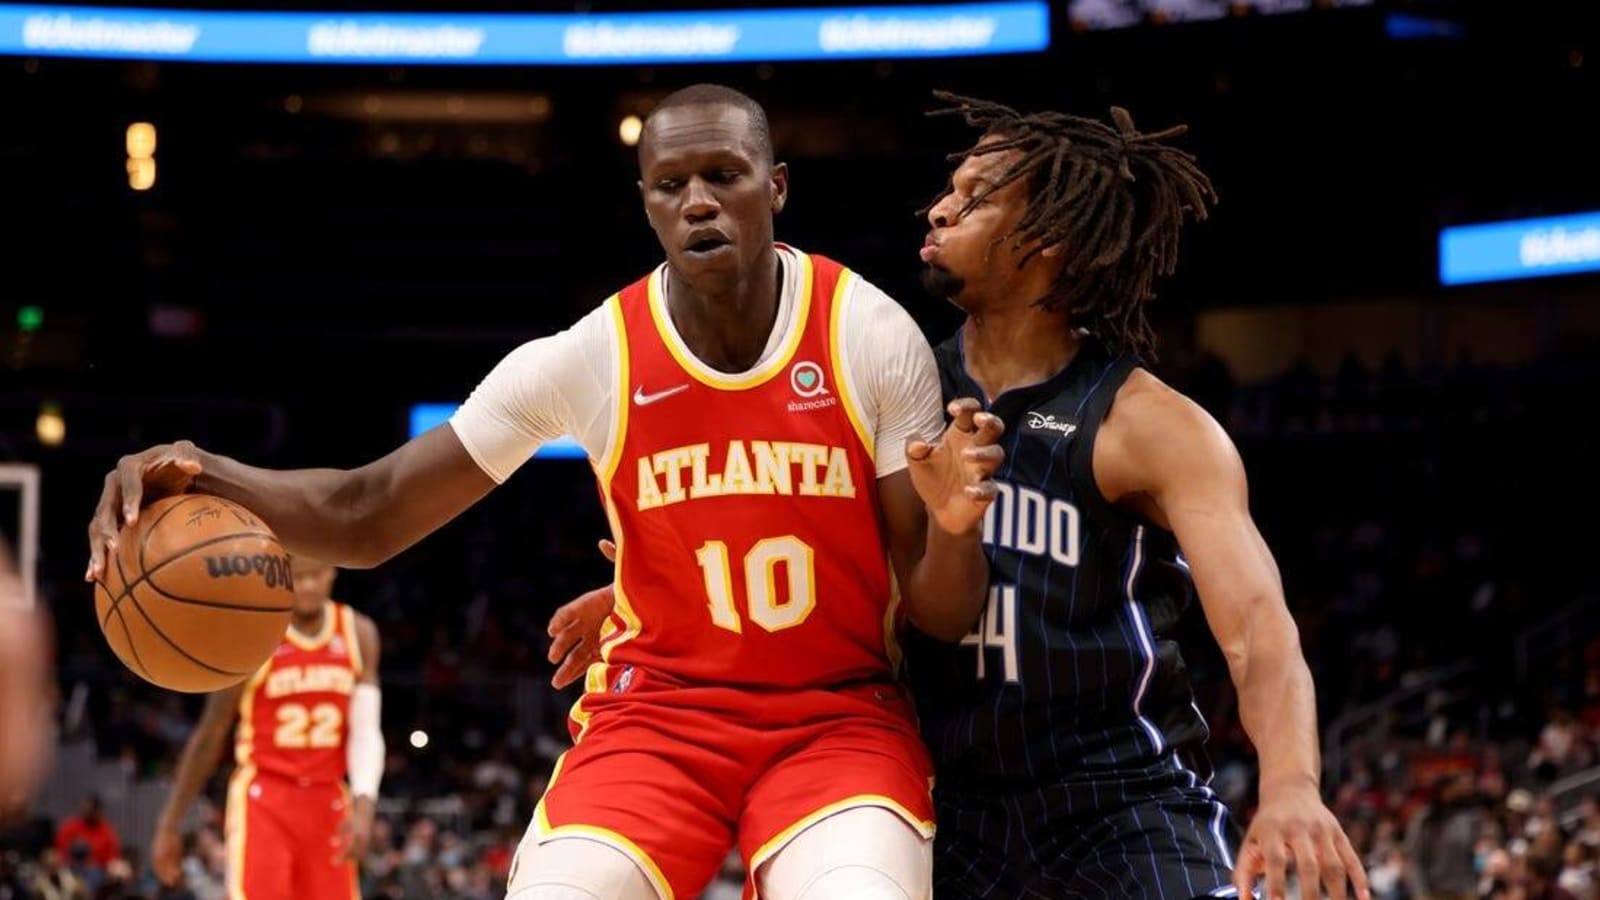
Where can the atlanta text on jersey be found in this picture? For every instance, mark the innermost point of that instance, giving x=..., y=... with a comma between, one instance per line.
x=765, y=467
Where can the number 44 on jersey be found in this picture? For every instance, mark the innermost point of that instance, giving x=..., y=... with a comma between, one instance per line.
x=997, y=630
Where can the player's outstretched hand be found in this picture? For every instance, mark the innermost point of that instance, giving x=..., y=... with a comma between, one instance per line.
x=138, y=479
x=954, y=475
x=166, y=856
x=1292, y=827
x=575, y=629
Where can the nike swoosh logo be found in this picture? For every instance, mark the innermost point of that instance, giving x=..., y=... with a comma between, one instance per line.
x=640, y=398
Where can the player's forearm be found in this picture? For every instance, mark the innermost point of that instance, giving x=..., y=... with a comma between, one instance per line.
x=199, y=760
x=948, y=585
x=357, y=518
x=1277, y=703
x=314, y=512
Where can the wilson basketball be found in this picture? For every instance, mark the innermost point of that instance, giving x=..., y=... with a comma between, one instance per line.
x=197, y=595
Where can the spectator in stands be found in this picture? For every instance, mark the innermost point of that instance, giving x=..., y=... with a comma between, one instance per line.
x=95, y=833
x=54, y=881
x=1441, y=842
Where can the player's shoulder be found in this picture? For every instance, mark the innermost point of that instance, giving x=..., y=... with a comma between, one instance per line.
x=869, y=309
x=594, y=332
x=365, y=628
x=1147, y=406
x=1153, y=422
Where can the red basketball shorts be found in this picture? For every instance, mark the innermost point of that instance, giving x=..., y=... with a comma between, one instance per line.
x=283, y=840
x=675, y=776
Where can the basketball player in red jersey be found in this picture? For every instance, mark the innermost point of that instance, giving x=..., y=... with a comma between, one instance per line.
x=308, y=719
x=760, y=421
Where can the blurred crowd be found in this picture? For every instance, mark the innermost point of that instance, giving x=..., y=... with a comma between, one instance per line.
x=1463, y=732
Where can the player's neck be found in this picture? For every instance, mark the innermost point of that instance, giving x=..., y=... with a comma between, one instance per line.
x=726, y=325
x=309, y=625
x=1012, y=348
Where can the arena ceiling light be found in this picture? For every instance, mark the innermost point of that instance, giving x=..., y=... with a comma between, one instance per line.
x=565, y=39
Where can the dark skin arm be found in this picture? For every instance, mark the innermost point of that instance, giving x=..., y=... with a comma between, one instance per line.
x=1165, y=458
x=933, y=521
x=355, y=518
x=355, y=834
x=200, y=756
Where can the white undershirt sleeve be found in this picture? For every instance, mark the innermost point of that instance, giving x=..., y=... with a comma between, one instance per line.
x=892, y=373
x=546, y=388
x=364, y=750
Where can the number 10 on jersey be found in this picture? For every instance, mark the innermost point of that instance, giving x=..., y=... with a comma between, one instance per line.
x=761, y=568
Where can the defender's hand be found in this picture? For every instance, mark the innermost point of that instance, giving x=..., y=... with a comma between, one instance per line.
x=953, y=476
x=575, y=629
x=1292, y=827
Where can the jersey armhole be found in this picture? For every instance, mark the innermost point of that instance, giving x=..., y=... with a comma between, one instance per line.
x=1096, y=406
x=347, y=617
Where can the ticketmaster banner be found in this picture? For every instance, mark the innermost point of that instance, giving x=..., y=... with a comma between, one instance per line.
x=1525, y=248
x=966, y=29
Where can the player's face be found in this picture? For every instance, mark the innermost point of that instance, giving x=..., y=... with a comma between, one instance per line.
x=709, y=191
x=313, y=582
x=969, y=258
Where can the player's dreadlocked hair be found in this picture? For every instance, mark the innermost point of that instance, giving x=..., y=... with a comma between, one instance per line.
x=1115, y=197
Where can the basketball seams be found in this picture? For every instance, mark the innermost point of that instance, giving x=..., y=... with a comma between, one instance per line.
x=114, y=607
x=174, y=645
x=145, y=576
x=213, y=603
x=144, y=539
x=203, y=519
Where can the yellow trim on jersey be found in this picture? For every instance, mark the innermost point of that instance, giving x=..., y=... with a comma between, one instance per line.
x=921, y=826
x=606, y=467
x=721, y=380
x=244, y=743
x=841, y=376
x=545, y=832
x=235, y=815
x=594, y=682
x=621, y=604
x=353, y=640
x=891, y=633
x=606, y=471
x=330, y=615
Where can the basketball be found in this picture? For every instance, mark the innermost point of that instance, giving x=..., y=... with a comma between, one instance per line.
x=197, y=595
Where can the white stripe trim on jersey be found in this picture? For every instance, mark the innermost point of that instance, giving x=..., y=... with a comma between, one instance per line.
x=1142, y=629
x=1229, y=891
x=1220, y=809
x=1216, y=830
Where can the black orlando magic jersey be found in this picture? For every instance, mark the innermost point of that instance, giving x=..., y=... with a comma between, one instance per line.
x=1070, y=669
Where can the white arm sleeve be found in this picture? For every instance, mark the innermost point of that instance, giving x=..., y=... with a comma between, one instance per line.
x=364, y=751
x=546, y=388
x=891, y=372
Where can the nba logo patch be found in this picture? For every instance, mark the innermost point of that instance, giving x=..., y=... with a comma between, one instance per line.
x=336, y=645
x=624, y=680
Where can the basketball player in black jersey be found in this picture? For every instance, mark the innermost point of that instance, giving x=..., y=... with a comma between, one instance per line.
x=1069, y=747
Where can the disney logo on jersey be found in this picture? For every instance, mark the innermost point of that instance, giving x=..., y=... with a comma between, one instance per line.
x=1041, y=422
